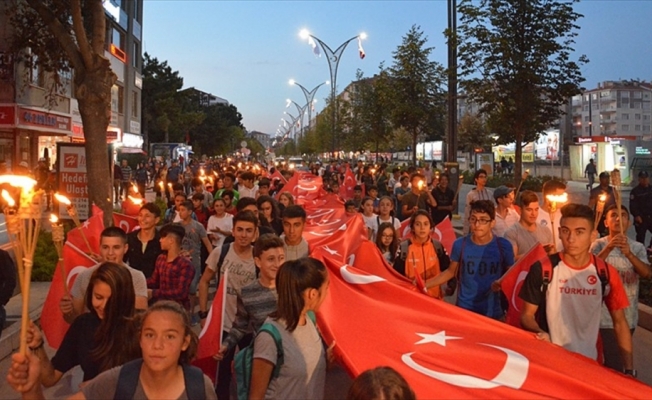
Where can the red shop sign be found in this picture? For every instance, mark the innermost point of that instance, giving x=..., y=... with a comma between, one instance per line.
x=44, y=120
x=8, y=115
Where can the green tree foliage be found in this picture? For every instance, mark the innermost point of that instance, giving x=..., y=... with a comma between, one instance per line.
x=220, y=132
x=516, y=63
x=414, y=83
x=61, y=36
x=168, y=112
x=472, y=133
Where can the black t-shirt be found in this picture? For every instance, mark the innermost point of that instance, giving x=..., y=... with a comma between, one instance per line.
x=77, y=345
x=143, y=261
x=444, y=199
x=7, y=277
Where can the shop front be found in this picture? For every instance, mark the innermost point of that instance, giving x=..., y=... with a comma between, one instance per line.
x=30, y=133
x=608, y=153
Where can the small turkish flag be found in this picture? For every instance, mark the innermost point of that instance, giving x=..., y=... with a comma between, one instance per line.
x=210, y=337
x=52, y=322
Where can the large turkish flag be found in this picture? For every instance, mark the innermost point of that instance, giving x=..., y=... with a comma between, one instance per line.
x=52, y=322
x=447, y=352
x=303, y=186
x=92, y=229
x=126, y=222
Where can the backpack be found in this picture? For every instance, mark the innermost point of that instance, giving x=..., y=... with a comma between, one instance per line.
x=244, y=360
x=193, y=378
x=399, y=264
x=547, y=265
x=220, y=261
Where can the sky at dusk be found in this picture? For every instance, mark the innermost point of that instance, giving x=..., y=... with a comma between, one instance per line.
x=246, y=51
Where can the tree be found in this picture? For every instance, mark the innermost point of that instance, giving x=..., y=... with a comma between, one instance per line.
x=370, y=107
x=65, y=35
x=515, y=63
x=220, y=132
x=168, y=112
x=414, y=87
x=472, y=133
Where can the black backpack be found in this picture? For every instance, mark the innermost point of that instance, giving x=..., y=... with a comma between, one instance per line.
x=130, y=374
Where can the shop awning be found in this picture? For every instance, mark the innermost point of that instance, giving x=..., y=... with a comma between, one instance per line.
x=131, y=150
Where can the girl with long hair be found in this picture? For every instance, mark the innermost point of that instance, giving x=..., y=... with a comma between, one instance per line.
x=167, y=343
x=100, y=339
x=302, y=286
x=387, y=241
x=269, y=213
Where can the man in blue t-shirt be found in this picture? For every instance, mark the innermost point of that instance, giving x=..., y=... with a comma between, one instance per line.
x=482, y=258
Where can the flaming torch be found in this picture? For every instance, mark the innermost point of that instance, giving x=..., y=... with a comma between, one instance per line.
x=58, y=239
x=72, y=211
x=23, y=225
x=554, y=200
x=526, y=173
x=599, y=209
x=617, y=183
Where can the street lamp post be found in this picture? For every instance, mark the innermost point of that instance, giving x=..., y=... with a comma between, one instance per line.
x=301, y=111
x=310, y=96
x=333, y=58
x=294, y=121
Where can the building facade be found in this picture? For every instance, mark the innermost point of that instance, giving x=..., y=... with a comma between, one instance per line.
x=612, y=125
x=31, y=125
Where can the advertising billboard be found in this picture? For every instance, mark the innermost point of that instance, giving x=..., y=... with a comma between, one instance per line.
x=73, y=178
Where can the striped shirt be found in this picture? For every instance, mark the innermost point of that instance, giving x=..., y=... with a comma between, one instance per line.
x=255, y=303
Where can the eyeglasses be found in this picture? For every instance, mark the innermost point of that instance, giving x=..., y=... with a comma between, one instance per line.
x=481, y=221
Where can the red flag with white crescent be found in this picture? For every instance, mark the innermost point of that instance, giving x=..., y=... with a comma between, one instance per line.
x=210, y=337
x=444, y=351
x=346, y=190
x=52, y=322
x=303, y=186
x=340, y=235
x=126, y=222
x=92, y=229
x=445, y=233
x=277, y=175
x=513, y=281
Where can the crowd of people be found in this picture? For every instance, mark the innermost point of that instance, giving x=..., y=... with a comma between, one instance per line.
x=137, y=306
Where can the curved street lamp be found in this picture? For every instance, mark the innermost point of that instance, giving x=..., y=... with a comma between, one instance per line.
x=333, y=58
x=310, y=96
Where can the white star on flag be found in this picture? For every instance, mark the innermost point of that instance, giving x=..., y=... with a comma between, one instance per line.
x=439, y=338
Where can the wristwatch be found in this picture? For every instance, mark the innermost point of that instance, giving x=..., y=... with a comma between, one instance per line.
x=630, y=372
x=202, y=314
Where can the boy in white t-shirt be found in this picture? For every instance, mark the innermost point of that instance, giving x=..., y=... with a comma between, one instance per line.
x=572, y=296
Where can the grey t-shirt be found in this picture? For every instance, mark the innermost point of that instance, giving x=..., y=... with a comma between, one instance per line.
x=80, y=286
x=255, y=303
x=242, y=272
x=295, y=252
x=525, y=240
x=303, y=373
x=105, y=384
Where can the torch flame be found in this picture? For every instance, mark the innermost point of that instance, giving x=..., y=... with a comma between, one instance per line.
x=62, y=199
x=135, y=188
x=602, y=198
x=53, y=219
x=561, y=198
x=135, y=200
x=24, y=182
x=10, y=200
x=420, y=185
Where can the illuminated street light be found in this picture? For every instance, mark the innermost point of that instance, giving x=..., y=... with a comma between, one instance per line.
x=333, y=58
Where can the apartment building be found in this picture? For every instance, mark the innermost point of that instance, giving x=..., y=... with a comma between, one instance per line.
x=31, y=126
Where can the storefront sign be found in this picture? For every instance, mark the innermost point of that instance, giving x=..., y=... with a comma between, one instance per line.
x=8, y=115
x=73, y=178
x=603, y=139
x=642, y=151
x=134, y=127
x=40, y=119
x=132, y=141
